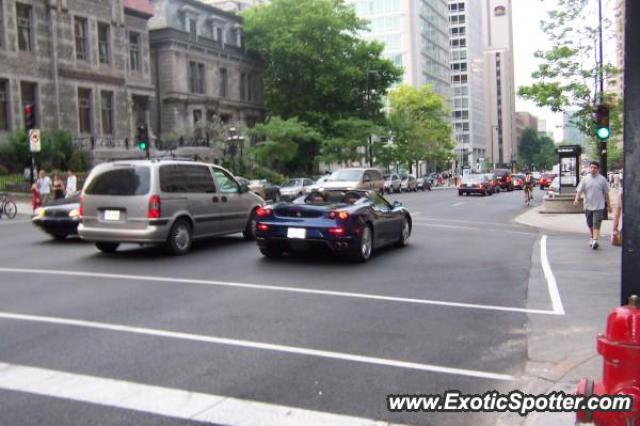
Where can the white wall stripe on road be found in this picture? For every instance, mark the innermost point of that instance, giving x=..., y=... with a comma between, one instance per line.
x=13, y=221
x=554, y=293
x=176, y=403
x=364, y=296
x=257, y=345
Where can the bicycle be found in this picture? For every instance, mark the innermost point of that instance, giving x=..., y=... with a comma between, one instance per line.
x=7, y=207
x=528, y=192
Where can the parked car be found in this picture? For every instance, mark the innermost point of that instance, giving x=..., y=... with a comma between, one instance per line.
x=294, y=188
x=553, y=188
x=493, y=180
x=355, y=178
x=59, y=218
x=166, y=202
x=546, y=179
x=503, y=177
x=349, y=223
x=319, y=184
x=392, y=183
x=265, y=189
x=409, y=183
x=474, y=184
x=423, y=183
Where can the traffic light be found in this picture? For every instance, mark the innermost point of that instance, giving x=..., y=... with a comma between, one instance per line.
x=603, y=131
x=29, y=117
x=142, y=138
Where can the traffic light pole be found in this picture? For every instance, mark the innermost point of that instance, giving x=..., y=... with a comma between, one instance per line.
x=602, y=144
x=631, y=229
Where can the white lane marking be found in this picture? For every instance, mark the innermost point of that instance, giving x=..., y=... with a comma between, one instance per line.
x=416, y=213
x=457, y=204
x=554, y=293
x=364, y=296
x=470, y=228
x=176, y=403
x=258, y=345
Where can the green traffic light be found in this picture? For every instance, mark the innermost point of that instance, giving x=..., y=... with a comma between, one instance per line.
x=142, y=146
x=603, y=133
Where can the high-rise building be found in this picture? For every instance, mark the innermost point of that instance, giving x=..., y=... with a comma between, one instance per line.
x=416, y=38
x=467, y=80
x=571, y=134
x=500, y=87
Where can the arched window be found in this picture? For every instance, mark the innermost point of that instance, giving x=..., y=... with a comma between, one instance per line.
x=500, y=11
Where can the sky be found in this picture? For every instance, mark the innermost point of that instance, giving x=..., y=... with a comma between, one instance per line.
x=527, y=38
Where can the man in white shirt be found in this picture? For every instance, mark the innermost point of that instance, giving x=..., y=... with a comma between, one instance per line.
x=72, y=183
x=595, y=189
x=43, y=185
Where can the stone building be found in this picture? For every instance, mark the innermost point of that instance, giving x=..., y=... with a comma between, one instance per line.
x=200, y=68
x=83, y=64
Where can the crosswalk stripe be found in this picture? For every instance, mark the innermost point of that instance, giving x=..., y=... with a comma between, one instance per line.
x=170, y=402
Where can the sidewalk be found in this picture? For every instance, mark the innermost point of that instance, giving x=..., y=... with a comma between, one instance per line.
x=562, y=349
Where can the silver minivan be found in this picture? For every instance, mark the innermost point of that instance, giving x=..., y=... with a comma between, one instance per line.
x=355, y=178
x=168, y=202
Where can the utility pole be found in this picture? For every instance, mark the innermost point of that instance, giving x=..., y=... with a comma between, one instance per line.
x=631, y=229
x=602, y=144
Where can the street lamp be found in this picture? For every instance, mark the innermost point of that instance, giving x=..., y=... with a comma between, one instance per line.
x=233, y=140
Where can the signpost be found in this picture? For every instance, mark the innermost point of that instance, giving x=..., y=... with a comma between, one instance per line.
x=34, y=140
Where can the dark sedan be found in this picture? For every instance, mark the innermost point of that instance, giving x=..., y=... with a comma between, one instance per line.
x=349, y=223
x=475, y=184
x=59, y=218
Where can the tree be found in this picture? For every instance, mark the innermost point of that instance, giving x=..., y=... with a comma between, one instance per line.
x=565, y=78
x=283, y=143
x=349, y=141
x=316, y=66
x=418, y=122
x=536, y=150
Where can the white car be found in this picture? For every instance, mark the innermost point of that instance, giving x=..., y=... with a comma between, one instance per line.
x=295, y=188
x=554, y=187
x=319, y=185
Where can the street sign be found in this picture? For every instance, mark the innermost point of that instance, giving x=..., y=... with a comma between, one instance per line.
x=34, y=140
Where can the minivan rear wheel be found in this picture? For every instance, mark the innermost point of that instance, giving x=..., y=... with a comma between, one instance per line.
x=180, y=238
x=107, y=247
x=249, y=232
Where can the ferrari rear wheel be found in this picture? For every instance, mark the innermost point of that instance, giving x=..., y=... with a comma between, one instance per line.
x=365, y=248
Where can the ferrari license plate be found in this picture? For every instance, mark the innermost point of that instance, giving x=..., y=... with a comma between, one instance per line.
x=296, y=233
x=112, y=215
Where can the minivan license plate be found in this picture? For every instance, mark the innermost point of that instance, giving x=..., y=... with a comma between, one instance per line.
x=296, y=233
x=112, y=215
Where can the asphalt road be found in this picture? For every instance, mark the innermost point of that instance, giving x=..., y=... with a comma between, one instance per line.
x=308, y=332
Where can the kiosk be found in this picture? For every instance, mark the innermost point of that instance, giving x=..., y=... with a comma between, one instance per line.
x=569, y=168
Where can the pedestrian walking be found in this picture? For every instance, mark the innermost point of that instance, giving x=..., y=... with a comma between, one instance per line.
x=616, y=235
x=616, y=180
x=43, y=185
x=58, y=187
x=594, y=190
x=72, y=184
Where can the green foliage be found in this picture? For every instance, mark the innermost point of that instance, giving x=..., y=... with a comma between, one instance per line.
x=565, y=76
x=349, y=141
x=79, y=161
x=57, y=151
x=419, y=126
x=316, y=67
x=536, y=150
x=285, y=145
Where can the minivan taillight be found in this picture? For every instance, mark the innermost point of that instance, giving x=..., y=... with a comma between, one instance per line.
x=154, y=207
x=81, y=207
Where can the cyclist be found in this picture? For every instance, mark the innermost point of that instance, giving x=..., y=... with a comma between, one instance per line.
x=527, y=186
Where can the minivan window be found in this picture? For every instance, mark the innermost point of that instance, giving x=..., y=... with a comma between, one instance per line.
x=120, y=181
x=346, y=175
x=186, y=178
x=225, y=181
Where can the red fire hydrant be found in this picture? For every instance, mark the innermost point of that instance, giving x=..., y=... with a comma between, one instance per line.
x=620, y=348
